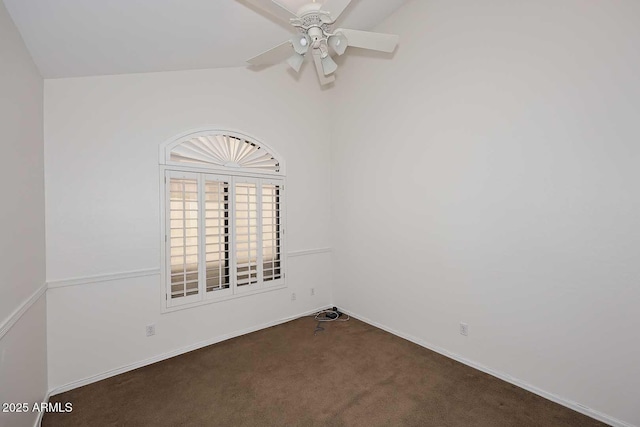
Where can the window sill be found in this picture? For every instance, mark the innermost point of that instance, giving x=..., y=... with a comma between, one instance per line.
x=212, y=300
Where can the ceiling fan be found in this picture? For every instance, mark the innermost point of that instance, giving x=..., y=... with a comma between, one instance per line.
x=315, y=35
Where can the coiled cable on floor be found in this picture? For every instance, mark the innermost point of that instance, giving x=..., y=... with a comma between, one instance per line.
x=321, y=316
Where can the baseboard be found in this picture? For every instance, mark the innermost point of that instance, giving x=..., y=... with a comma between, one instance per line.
x=177, y=352
x=41, y=414
x=500, y=375
x=515, y=381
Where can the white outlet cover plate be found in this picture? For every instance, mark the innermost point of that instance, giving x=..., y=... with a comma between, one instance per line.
x=464, y=329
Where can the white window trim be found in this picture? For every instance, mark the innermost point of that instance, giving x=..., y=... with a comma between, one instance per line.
x=166, y=166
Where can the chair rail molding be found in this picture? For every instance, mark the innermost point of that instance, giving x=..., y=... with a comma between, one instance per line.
x=293, y=254
x=108, y=277
x=13, y=318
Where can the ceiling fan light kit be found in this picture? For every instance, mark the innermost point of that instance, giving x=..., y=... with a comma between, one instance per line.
x=314, y=24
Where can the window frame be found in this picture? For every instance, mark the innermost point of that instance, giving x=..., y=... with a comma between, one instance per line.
x=232, y=176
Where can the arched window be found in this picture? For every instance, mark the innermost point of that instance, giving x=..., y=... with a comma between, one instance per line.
x=223, y=217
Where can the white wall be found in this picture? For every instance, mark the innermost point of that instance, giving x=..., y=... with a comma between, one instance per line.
x=102, y=136
x=490, y=174
x=23, y=376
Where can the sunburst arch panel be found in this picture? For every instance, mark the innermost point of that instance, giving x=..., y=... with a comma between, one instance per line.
x=222, y=150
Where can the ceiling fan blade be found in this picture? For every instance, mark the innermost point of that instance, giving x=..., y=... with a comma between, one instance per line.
x=295, y=62
x=335, y=7
x=273, y=55
x=367, y=40
x=274, y=8
x=318, y=61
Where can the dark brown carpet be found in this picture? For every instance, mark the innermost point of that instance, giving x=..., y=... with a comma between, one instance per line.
x=352, y=374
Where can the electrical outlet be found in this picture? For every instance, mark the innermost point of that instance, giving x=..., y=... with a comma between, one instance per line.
x=464, y=329
x=313, y=291
x=293, y=296
x=151, y=330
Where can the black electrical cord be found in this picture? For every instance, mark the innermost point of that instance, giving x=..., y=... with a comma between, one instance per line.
x=328, y=316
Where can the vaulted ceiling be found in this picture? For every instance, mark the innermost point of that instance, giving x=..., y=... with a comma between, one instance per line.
x=71, y=38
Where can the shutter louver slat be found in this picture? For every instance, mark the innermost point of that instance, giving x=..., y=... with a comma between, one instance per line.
x=204, y=144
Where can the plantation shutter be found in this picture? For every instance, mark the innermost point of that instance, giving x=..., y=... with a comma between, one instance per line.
x=226, y=151
x=182, y=217
x=246, y=233
x=271, y=231
x=217, y=226
x=224, y=236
